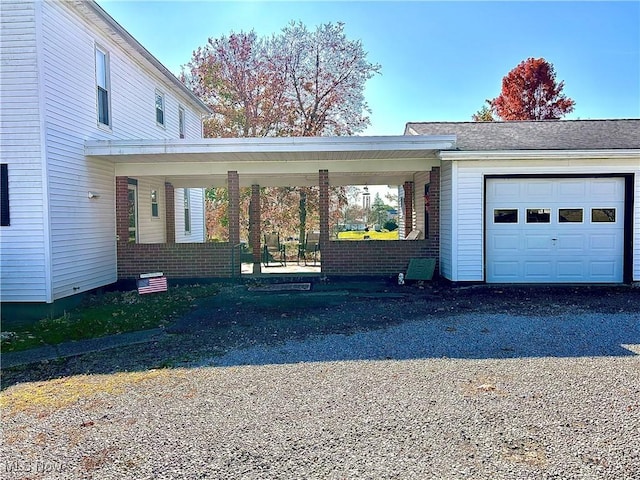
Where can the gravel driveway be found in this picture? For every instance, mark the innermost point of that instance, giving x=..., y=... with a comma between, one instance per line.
x=533, y=386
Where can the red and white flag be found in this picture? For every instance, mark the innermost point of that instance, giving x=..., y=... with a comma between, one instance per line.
x=151, y=285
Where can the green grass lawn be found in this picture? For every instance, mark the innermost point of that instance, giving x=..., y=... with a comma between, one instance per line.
x=107, y=314
x=373, y=235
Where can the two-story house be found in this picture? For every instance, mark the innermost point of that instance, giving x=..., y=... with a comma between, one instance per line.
x=70, y=74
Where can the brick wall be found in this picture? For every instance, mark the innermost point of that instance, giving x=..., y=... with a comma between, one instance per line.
x=255, y=222
x=233, y=184
x=374, y=257
x=177, y=260
x=170, y=213
x=122, y=209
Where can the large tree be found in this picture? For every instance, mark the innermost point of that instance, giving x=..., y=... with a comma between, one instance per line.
x=530, y=92
x=299, y=82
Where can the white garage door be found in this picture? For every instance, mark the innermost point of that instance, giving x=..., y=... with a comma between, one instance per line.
x=550, y=230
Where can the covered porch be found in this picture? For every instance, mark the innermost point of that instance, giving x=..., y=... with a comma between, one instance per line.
x=408, y=161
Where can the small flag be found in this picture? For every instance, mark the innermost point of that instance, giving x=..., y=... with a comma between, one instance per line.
x=151, y=285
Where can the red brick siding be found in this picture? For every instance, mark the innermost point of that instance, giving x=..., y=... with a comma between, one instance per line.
x=233, y=183
x=122, y=209
x=323, y=182
x=434, y=206
x=254, y=222
x=408, y=207
x=170, y=213
x=177, y=260
x=374, y=257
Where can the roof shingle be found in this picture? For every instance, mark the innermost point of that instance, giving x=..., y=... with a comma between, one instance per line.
x=536, y=135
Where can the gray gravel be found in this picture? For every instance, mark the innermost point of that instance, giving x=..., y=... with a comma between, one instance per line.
x=566, y=405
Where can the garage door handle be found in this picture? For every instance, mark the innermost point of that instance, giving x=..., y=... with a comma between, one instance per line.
x=554, y=239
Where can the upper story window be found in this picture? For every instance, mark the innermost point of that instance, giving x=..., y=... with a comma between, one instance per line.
x=160, y=108
x=181, y=122
x=103, y=87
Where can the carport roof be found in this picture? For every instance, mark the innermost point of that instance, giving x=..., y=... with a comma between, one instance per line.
x=275, y=161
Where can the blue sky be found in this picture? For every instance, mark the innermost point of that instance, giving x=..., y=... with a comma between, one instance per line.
x=440, y=60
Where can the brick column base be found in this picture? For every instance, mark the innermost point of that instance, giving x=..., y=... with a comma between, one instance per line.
x=408, y=208
x=323, y=181
x=254, y=226
x=170, y=213
x=233, y=184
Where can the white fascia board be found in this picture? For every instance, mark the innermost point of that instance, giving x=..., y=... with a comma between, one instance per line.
x=480, y=155
x=419, y=144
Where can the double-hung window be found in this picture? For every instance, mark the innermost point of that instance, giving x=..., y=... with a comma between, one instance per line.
x=103, y=87
x=181, y=122
x=160, y=108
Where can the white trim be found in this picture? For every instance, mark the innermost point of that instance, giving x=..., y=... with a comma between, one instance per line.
x=480, y=155
x=46, y=220
x=421, y=145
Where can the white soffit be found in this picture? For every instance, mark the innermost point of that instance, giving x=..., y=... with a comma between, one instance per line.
x=275, y=161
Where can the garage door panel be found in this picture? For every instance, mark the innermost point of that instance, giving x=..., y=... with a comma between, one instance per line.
x=571, y=270
x=538, y=243
x=538, y=270
x=603, y=269
x=538, y=190
x=568, y=243
x=506, y=271
x=506, y=243
x=571, y=188
x=604, y=242
x=561, y=243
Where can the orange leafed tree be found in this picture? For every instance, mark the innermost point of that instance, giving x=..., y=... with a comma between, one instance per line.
x=530, y=92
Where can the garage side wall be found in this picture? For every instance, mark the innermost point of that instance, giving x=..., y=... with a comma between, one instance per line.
x=462, y=247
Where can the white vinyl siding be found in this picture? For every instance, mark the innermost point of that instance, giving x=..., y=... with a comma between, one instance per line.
x=464, y=248
x=151, y=229
x=23, y=263
x=83, y=230
x=446, y=221
x=197, y=233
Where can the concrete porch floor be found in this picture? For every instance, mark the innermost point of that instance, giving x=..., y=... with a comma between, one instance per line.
x=291, y=268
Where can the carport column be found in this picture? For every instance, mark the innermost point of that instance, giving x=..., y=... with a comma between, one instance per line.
x=170, y=213
x=122, y=209
x=254, y=226
x=323, y=181
x=408, y=207
x=434, y=206
x=233, y=184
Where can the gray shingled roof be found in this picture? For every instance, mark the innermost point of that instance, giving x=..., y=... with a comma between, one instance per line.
x=536, y=135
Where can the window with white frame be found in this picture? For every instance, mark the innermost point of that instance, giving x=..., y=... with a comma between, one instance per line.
x=154, y=204
x=181, y=122
x=160, y=108
x=187, y=211
x=103, y=87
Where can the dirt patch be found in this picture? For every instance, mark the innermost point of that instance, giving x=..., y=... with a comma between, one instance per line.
x=239, y=318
